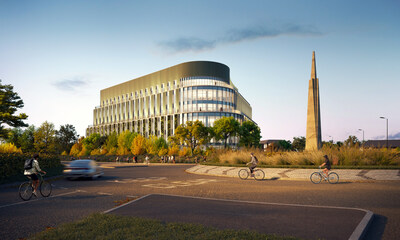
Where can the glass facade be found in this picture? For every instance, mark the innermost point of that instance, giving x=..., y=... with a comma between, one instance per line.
x=157, y=105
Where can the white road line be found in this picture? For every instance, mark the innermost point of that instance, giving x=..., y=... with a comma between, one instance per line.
x=106, y=194
x=39, y=199
x=123, y=205
x=356, y=235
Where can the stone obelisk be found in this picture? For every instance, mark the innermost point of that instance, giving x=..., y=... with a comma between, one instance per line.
x=313, y=134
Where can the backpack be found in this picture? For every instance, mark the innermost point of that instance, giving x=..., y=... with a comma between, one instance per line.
x=28, y=164
x=256, y=159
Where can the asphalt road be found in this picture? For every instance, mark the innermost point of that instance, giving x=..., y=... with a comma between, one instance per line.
x=73, y=200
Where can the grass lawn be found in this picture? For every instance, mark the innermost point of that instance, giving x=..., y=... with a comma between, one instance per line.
x=107, y=226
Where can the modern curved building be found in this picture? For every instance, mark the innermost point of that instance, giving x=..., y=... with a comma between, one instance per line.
x=157, y=103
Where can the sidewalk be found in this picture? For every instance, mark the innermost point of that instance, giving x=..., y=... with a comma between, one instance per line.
x=301, y=174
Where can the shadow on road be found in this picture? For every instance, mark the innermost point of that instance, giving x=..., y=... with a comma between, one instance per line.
x=376, y=228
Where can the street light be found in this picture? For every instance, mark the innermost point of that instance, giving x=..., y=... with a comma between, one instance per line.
x=363, y=133
x=387, y=131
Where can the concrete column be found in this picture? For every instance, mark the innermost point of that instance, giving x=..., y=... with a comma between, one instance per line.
x=313, y=134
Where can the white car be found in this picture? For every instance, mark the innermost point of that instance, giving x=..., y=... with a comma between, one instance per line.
x=86, y=168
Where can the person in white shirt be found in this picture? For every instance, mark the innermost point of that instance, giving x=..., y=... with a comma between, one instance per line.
x=32, y=173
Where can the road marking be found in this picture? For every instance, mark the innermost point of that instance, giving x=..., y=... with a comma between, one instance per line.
x=106, y=194
x=176, y=184
x=357, y=234
x=39, y=199
x=138, y=180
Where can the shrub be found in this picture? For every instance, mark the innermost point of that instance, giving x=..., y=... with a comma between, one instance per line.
x=9, y=148
x=12, y=166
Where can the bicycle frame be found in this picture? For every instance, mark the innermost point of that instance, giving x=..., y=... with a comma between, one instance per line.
x=332, y=177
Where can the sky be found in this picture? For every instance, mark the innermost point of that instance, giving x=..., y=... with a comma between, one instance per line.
x=58, y=55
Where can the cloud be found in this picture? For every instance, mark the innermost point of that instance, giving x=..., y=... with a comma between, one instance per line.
x=240, y=35
x=391, y=137
x=236, y=36
x=70, y=84
x=394, y=136
x=188, y=44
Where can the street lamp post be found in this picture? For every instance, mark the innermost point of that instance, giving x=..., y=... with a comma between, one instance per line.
x=363, y=133
x=387, y=131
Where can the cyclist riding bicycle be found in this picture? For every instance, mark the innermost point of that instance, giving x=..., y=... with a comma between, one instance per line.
x=32, y=173
x=253, y=163
x=327, y=165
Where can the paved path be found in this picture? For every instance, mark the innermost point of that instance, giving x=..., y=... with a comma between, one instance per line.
x=301, y=174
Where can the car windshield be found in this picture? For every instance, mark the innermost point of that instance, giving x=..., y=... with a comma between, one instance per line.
x=80, y=163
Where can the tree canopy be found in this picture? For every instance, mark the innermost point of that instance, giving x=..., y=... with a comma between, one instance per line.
x=193, y=134
x=225, y=127
x=10, y=102
x=250, y=134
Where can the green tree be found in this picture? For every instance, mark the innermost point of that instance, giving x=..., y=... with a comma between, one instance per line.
x=193, y=134
x=14, y=137
x=161, y=143
x=125, y=141
x=27, y=139
x=45, y=138
x=10, y=102
x=285, y=145
x=66, y=137
x=94, y=141
x=112, y=142
x=224, y=128
x=352, y=141
x=299, y=143
x=250, y=134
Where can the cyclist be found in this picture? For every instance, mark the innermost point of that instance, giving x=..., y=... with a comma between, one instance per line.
x=32, y=173
x=327, y=165
x=253, y=163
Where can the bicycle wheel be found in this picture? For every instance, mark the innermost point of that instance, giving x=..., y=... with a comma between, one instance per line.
x=333, y=178
x=45, y=188
x=243, y=174
x=25, y=191
x=316, y=177
x=259, y=174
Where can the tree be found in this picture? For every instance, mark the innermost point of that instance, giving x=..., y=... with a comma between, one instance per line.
x=66, y=137
x=352, y=141
x=14, y=137
x=250, y=134
x=124, y=142
x=112, y=142
x=224, y=128
x=299, y=143
x=10, y=102
x=192, y=134
x=27, y=139
x=284, y=145
x=138, y=146
x=76, y=149
x=45, y=138
x=94, y=141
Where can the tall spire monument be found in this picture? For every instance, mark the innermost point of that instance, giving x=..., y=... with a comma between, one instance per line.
x=313, y=134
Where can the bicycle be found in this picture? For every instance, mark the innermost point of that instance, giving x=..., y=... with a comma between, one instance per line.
x=26, y=188
x=258, y=174
x=316, y=177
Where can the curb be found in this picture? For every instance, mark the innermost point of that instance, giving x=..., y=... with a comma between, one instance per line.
x=348, y=175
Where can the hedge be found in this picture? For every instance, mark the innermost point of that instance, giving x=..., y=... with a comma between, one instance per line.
x=12, y=166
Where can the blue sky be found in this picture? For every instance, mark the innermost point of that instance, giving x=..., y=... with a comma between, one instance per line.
x=58, y=55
